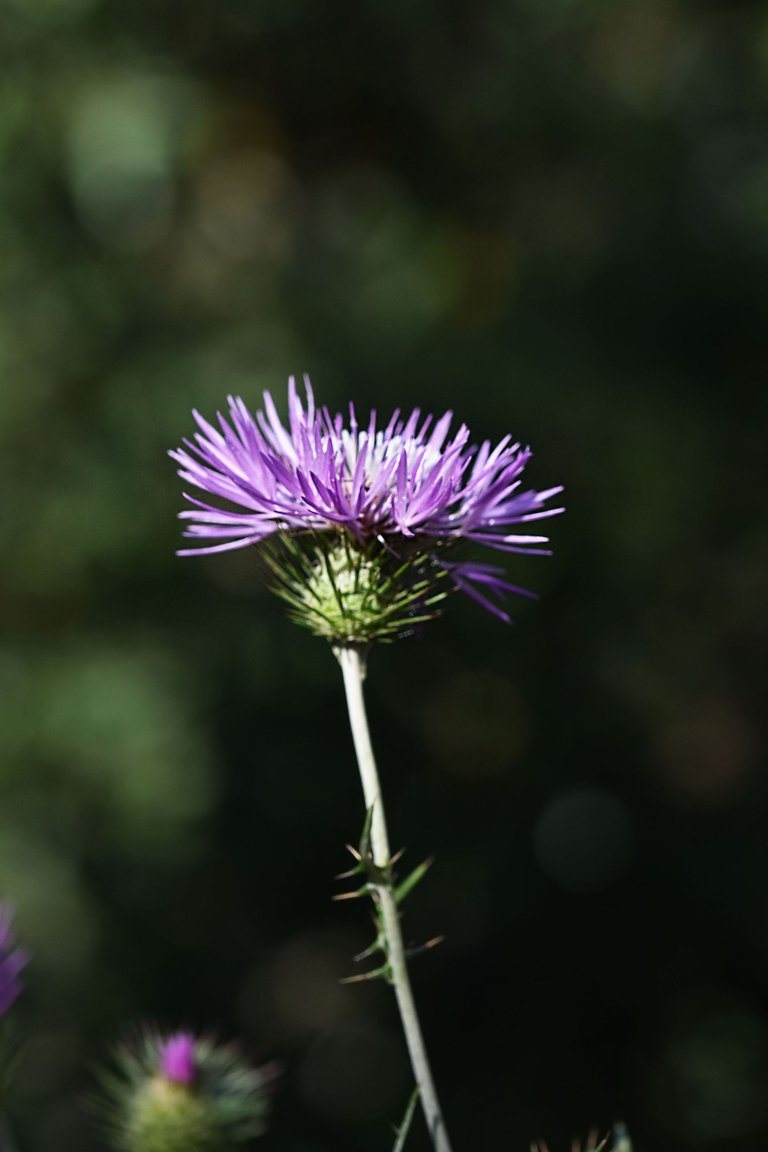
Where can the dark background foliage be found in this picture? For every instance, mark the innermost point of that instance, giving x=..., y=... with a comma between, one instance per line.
x=552, y=217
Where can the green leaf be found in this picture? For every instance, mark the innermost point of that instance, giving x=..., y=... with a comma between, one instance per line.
x=406, y=887
x=402, y=1131
x=365, y=838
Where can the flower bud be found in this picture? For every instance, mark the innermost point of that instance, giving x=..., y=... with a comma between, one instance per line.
x=181, y=1093
x=12, y=960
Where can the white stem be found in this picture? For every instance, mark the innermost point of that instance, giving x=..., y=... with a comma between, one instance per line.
x=353, y=670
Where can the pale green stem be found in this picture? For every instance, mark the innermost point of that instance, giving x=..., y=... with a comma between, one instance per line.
x=353, y=669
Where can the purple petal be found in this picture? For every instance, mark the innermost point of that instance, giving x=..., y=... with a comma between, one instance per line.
x=12, y=961
x=177, y=1058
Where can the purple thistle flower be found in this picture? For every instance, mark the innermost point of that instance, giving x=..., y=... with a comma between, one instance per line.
x=177, y=1058
x=409, y=486
x=180, y=1093
x=12, y=960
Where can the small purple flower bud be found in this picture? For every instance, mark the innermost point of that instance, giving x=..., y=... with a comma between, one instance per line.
x=181, y=1093
x=177, y=1058
x=12, y=960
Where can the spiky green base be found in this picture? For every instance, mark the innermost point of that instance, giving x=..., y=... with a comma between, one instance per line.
x=143, y=1110
x=166, y=1117
x=350, y=594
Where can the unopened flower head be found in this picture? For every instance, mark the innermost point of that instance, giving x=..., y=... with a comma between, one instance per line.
x=381, y=513
x=182, y=1093
x=12, y=961
x=177, y=1058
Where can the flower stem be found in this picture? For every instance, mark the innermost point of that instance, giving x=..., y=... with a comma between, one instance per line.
x=353, y=669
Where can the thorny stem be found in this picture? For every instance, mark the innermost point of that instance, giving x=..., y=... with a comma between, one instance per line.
x=353, y=669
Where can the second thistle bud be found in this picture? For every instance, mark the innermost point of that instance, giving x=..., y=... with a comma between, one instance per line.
x=12, y=961
x=183, y=1094
x=167, y=1112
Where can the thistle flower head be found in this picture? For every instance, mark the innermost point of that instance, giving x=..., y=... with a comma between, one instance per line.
x=12, y=961
x=181, y=1093
x=377, y=512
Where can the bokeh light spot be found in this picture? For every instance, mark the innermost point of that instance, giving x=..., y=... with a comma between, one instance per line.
x=354, y=1073
x=709, y=1081
x=124, y=135
x=476, y=725
x=706, y=753
x=584, y=840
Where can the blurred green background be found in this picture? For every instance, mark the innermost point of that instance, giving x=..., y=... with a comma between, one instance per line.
x=552, y=217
